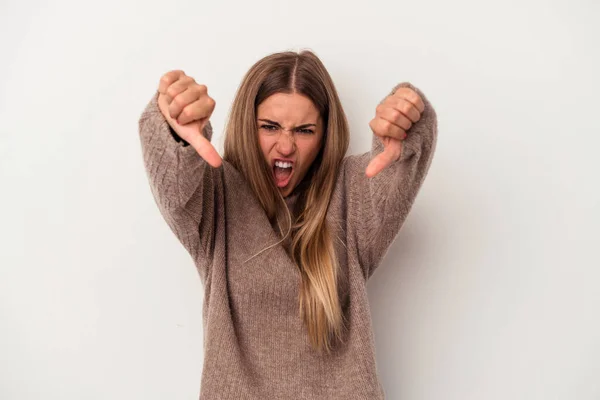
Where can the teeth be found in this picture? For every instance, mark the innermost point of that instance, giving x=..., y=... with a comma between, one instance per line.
x=282, y=164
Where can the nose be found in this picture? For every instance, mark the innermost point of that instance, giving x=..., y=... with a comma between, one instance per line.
x=286, y=144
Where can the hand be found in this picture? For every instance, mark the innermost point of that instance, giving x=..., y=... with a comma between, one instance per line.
x=393, y=118
x=187, y=108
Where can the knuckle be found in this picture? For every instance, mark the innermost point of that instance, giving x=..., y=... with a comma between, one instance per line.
x=172, y=76
x=211, y=103
x=398, y=92
x=414, y=97
x=178, y=100
x=166, y=79
x=384, y=126
x=201, y=88
x=415, y=114
x=404, y=107
x=186, y=112
x=172, y=92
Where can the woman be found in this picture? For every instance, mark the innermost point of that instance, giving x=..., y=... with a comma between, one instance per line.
x=284, y=229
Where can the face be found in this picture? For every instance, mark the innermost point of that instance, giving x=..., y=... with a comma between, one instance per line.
x=290, y=132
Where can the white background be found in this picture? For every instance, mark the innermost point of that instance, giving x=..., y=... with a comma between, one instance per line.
x=491, y=290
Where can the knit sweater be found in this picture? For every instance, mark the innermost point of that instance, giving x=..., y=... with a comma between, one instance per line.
x=255, y=344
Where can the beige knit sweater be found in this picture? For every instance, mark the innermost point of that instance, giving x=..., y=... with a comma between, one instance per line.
x=255, y=344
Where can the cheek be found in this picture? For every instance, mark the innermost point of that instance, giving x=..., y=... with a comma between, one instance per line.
x=265, y=146
x=310, y=150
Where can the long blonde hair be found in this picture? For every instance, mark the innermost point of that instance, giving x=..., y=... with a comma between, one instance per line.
x=311, y=245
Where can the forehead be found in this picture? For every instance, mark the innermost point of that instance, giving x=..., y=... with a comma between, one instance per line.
x=287, y=108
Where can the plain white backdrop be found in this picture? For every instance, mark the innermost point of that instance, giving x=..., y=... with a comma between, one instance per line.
x=491, y=290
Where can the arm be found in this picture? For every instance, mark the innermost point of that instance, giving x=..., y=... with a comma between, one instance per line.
x=378, y=206
x=181, y=182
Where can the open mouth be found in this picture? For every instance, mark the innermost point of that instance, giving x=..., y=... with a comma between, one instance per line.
x=282, y=172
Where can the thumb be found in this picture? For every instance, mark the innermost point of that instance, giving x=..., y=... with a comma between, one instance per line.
x=193, y=133
x=384, y=159
x=205, y=149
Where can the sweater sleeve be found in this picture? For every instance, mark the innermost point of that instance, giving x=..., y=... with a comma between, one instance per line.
x=182, y=183
x=378, y=206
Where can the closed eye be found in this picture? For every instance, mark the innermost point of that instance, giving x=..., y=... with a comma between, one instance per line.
x=304, y=131
x=269, y=127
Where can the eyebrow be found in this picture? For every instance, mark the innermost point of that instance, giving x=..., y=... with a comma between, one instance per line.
x=277, y=123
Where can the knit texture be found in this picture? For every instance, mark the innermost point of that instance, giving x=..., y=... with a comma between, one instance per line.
x=255, y=344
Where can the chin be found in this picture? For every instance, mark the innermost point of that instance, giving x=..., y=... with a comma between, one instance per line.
x=286, y=191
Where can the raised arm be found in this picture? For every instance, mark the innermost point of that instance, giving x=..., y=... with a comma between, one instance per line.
x=379, y=205
x=182, y=182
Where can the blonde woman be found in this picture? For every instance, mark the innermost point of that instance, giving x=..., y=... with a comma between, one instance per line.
x=285, y=229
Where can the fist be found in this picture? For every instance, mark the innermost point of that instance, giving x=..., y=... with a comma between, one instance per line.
x=394, y=116
x=187, y=108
